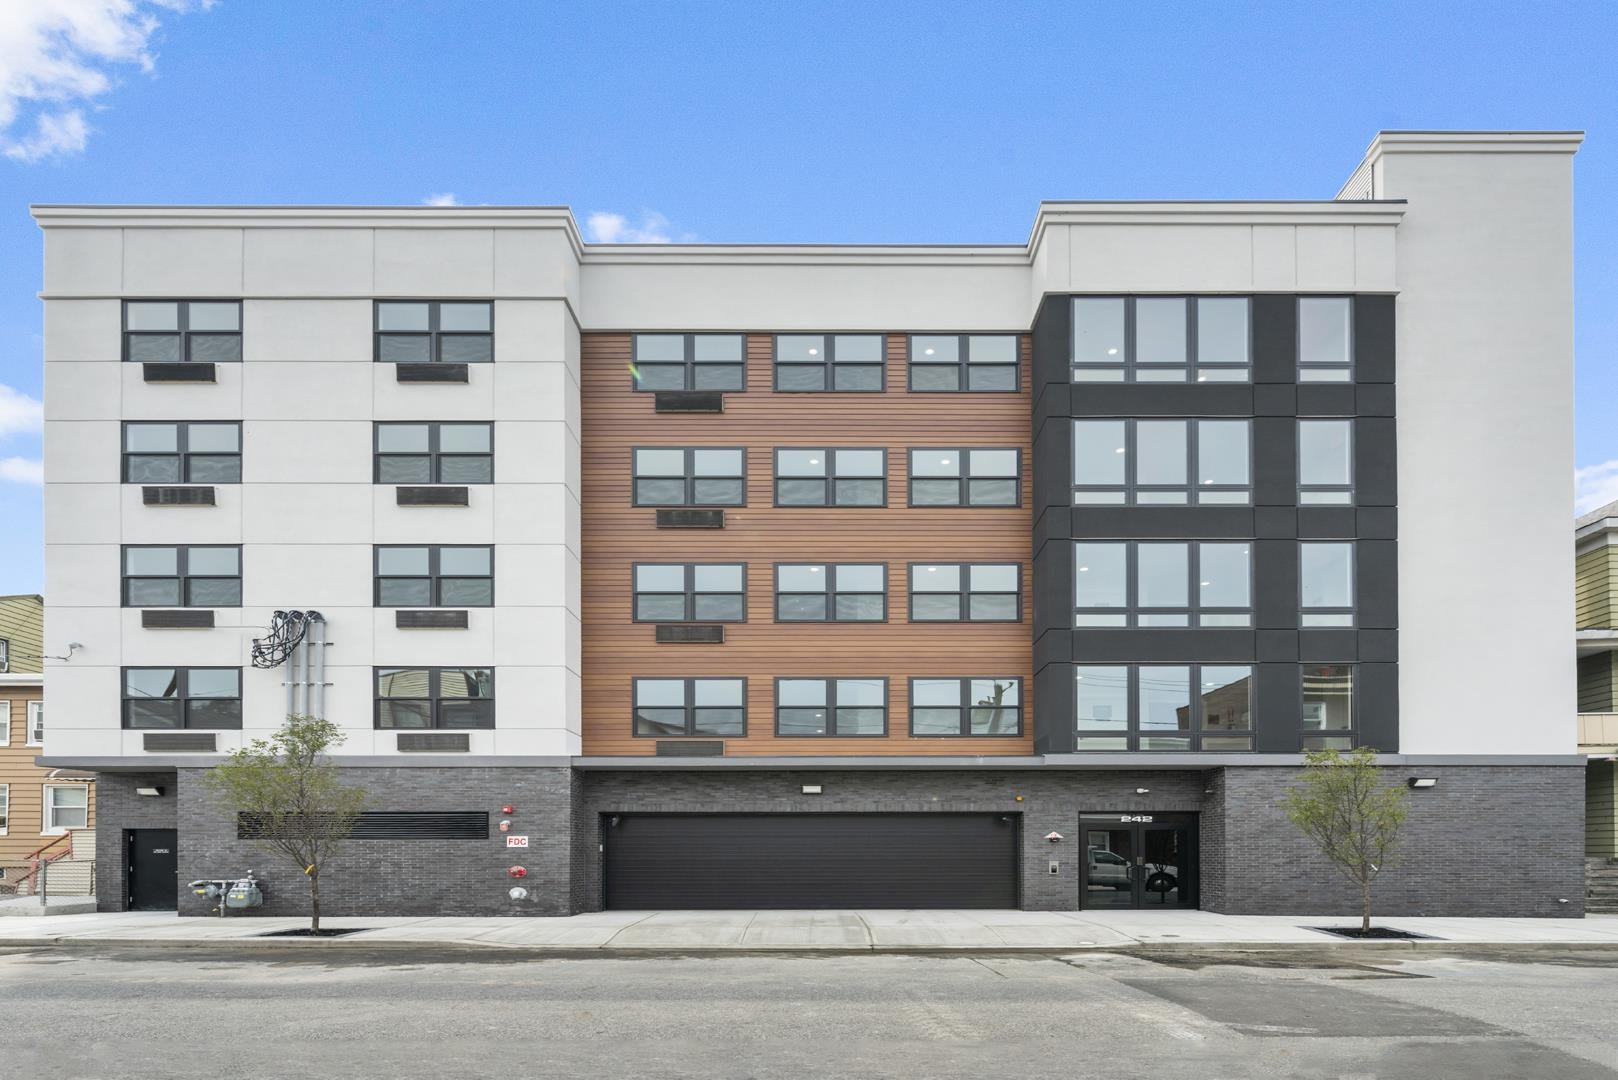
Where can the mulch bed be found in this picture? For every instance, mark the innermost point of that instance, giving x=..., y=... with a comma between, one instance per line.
x=1375, y=933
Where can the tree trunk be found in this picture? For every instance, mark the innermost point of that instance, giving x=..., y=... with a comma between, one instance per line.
x=314, y=903
x=1365, y=905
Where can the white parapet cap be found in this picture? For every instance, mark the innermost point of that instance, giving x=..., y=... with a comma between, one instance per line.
x=1456, y=142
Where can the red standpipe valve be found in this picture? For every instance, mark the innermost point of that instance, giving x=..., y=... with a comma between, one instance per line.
x=517, y=871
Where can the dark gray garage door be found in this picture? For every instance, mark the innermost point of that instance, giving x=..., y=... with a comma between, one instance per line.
x=675, y=861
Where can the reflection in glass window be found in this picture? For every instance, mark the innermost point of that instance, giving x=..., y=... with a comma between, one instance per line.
x=1325, y=462
x=677, y=707
x=1328, y=706
x=434, y=331
x=839, y=363
x=1160, y=339
x=831, y=477
x=690, y=477
x=831, y=592
x=689, y=362
x=183, y=331
x=1119, y=583
x=961, y=477
x=963, y=362
x=831, y=707
x=690, y=592
x=1161, y=462
x=1326, y=579
x=1325, y=338
x=966, y=707
x=1152, y=707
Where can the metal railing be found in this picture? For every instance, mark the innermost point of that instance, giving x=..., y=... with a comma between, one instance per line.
x=65, y=878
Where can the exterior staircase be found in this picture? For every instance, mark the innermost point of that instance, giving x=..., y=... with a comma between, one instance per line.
x=1601, y=886
x=57, y=879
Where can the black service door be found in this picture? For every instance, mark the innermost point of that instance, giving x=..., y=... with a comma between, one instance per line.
x=153, y=870
x=684, y=861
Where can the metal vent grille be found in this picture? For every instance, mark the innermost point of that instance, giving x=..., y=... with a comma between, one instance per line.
x=690, y=519
x=434, y=742
x=179, y=373
x=181, y=619
x=689, y=401
x=691, y=749
x=429, y=620
x=178, y=742
x=434, y=496
x=177, y=496
x=679, y=634
x=432, y=373
x=397, y=825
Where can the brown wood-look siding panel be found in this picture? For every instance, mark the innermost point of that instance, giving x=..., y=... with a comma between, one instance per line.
x=616, y=419
x=25, y=781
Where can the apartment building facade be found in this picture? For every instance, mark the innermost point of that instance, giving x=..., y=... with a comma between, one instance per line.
x=831, y=576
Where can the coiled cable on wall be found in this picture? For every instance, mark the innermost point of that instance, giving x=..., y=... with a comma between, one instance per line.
x=286, y=631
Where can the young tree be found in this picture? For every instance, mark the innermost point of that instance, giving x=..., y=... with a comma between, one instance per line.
x=288, y=791
x=1351, y=815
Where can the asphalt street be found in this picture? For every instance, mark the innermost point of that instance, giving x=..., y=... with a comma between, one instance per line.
x=199, y=1012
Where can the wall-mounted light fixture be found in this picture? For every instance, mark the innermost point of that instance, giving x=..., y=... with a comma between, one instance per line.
x=1143, y=791
x=1423, y=781
x=811, y=789
x=150, y=792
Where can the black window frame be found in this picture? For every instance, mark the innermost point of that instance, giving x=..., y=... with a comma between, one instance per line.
x=182, y=452
x=182, y=575
x=1131, y=489
x=689, y=477
x=963, y=363
x=829, y=365
x=1329, y=738
x=1194, y=735
x=831, y=478
x=832, y=708
x=433, y=453
x=183, y=697
x=964, y=477
x=435, y=698
x=1346, y=369
x=689, y=364
x=183, y=329
x=1128, y=367
x=690, y=592
x=832, y=592
x=1307, y=488
x=964, y=594
x=434, y=334
x=434, y=575
x=966, y=706
x=689, y=708
x=1194, y=609
x=1331, y=611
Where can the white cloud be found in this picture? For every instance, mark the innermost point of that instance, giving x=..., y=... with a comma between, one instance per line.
x=605, y=227
x=19, y=413
x=56, y=58
x=17, y=470
x=1595, y=486
x=443, y=198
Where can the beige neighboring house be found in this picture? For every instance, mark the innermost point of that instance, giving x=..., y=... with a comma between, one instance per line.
x=44, y=813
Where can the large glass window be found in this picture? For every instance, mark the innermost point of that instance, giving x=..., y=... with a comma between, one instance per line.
x=1325, y=339
x=831, y=707
x=1161, y=463
x=1326, y=580
x=187, y=576
x=690, y=362
x=966, y=707
x=1164, y=707
x=1161, y=339
x=434, y=331
x=453, y=699
x=963, y=362
x=690, y=592
x=679, y=707
x=1328, y=706
x=1120, y=583
x=1325, y=462
x=831, y=592
x=831, y=477
x=182, y=452
x=183, y=331
x=965, y=592
x=434, y=453
x=453, y=576
x=695, y=476
x=842, y=363
x=198, y=697
x=962, y=477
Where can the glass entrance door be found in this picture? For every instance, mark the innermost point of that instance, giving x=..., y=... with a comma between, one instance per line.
x=1137, y=861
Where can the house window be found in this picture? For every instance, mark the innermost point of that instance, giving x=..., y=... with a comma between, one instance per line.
x=434, y=453
x=66, y=806
x=965, y=592
x=183, y=453
x=689, y=362
x=1178, y=583
x=831, y=707
x=434, y=331
x=1161, y=463
x=5, y=808
x=36, y=723
x=1325, y=339
x=962, y=477
x=192, y=576
x=831, y=592
x=209, y=699
x=1326, y=583
x=679, y=707
x=5, y=656
x=1325, y=462
x=690, y=477
x=1328, y=706
x=841, y=363
x=831, y=477
x=1161, y=339
x=690, y=592
x=434, y=576
x=966, y=707
x=964, y=362
x=183, y=331
x=450, y=698
x=1164, y=707
x=5, y=722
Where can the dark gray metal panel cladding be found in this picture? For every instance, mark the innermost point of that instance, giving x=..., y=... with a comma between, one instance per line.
x=927, y=860
x=1275, y=339
x=1373, y=338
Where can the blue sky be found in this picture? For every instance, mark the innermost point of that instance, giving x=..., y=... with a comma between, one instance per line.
x=891, y=122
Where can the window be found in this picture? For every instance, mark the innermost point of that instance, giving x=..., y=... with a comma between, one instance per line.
x=36, y=723
x=183, y=453
x=689, y=362
x=436, y=576
x=434, y=453
x=951, y=362
x=1326, y=580
x=679, y=707
x=202, y=698
x=1325, y=339
x=690, y=477
x=449, y=698
x=5, y=656
x=66, y=806
x=843, y=363
x=434, y=331
x=5, y=808
x=1328, y=707
x=1161, y=463
x=182, y=576
x=1325, y=462
x=831, y=477
x=965, y=592
x=690, y=592
x=1129, y=583
x=1153, y=707
x=5, y=722
x=965, y=707
x=831, y=707
x=181, y=331
x=1161, y=339
x=965, y=477
x=831, y=592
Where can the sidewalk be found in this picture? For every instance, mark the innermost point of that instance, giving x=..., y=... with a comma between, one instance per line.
x=719, y=931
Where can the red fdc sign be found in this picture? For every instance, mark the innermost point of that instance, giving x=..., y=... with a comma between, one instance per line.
x=516, y=841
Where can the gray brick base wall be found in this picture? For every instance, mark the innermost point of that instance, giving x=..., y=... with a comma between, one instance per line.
x=119, y=809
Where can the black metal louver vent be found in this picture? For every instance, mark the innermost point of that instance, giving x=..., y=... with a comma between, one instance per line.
x=178, y=742
x=689, y=401
x=429, y=620
x=695, y=748
x=177, y=496
x=434, y=742
x=690, y=519
x=432, y=373
x=680, y=634
x=434, y=496
x=396, y=825
x=179, y=373
x=177, y=619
